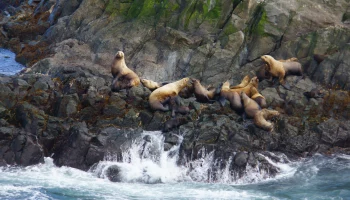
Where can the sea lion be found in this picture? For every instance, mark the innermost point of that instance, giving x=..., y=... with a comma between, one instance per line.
x=260, y=116
x=293, y=59
x=151, y=85
x=243, y=83
x=176, y=107
x=233, y=97
x=123, y=76
x=159, y=98
x=260, y=119
x=256, y=96
x=202, y=94
x=254, y=82
x=281, y=69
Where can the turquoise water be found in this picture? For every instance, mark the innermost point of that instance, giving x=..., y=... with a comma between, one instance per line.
x=153, y=174
x=8, y=65
x=315, y=178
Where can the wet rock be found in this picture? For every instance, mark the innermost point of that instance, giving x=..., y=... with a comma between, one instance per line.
x=241, y=159
x=113, y=173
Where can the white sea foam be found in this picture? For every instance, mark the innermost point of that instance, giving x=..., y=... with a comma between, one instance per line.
x=8, y=65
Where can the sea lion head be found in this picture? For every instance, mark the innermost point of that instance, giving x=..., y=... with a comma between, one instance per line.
x=266, y=58
x=254, y=81
x=195, y=81
x=144, y=81
x=225, y=85
x=119, y=55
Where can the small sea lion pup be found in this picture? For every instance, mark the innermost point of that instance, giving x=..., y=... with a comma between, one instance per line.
x=123, y=76
x=281, y=69
x=243, y=83
x=202, y=94
x=260, y=116
x=259, y=98
x=160, y=97
x=151, y=85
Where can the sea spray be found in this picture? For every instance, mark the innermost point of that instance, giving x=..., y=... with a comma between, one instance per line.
x=8, y=64
x=146, y=161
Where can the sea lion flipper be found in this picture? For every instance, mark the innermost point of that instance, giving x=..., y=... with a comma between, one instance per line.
x=222, y=101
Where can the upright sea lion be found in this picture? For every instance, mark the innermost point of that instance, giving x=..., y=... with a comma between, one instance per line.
x=123, y=76
x=281, y=69
x=256, y=96
x=151, y=85
x=162, y=95
x=233, y=97
x=243, y=83
x=253, y=110
x=201, y=93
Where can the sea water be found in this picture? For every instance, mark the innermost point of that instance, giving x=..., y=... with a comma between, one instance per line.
x=149, y=172
x=8, y=65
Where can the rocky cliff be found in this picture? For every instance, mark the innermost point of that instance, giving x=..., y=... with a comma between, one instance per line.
x=62, y=105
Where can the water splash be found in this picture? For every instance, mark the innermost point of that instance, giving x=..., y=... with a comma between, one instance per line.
x=146, y=161
x=8, y=65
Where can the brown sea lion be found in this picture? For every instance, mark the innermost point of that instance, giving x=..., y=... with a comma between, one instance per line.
x=281, y=69
x=151, y=85
x=293, y=59
x=233, y=97
x=161, y=96
x=260, y=119
x=256, y=96
x=260, y=116
x=254, y=82
x=123, y=76
x=243, y=83
x=201, y=93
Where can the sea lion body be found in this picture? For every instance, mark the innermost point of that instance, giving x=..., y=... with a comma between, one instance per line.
x=260, y=119
x=233, y=97
x=243, y=83
x=123, y=76
x=281, y=69
x=251, y=107
x=201, y=93
x=254, y=82
x=163, y=94
x=259, y=98
x=152, y=85
x=260, y=116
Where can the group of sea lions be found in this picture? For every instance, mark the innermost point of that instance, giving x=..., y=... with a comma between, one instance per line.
x=244, y=97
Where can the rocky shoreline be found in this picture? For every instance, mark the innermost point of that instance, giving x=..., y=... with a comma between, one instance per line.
x=62, y=105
